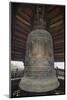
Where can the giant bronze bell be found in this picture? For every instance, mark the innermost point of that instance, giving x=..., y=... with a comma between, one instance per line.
x=39, y=73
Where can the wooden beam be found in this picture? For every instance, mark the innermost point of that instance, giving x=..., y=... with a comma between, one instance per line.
x=19, y=39
x=57, y=24
x=58, y=37
x=23, y=20
x=59, y=54
x=59, y=47
x=50, y=8
x=22, y=13
x=18, y=50
x=17, y=53
x=54, y=13
x=58, y=50
x=59, y=42
x=23, y=28
x=60, y=32
x=18, y=58
x=22, y=25
x=57, y=29
x=19, y=34
x=59, y=59
x=18, y=46
x=56, y=19
x=19, y=29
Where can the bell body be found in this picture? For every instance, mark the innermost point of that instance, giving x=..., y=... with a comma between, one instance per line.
x=39, y=73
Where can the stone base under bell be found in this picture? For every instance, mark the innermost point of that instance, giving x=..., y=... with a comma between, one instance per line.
x=38, y=85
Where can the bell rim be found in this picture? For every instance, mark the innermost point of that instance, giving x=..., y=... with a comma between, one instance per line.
x=31, y=85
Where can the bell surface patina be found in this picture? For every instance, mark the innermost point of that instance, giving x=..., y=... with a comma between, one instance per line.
x=39, y=73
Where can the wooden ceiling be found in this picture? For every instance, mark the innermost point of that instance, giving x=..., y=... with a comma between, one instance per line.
x=22, y=16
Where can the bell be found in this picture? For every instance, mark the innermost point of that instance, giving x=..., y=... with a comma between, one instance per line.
x=39, y=73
